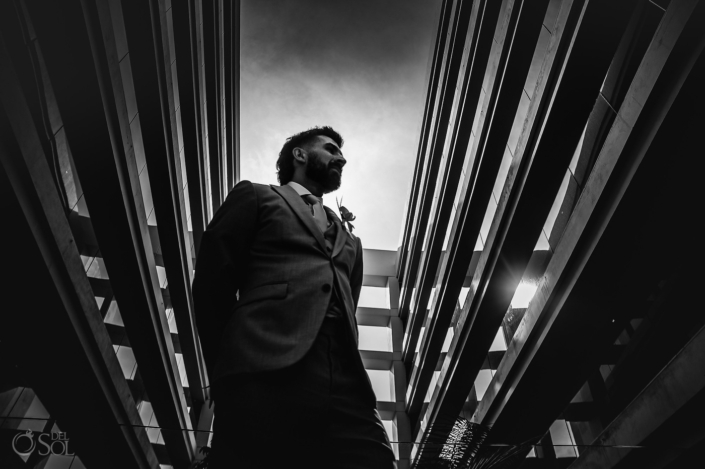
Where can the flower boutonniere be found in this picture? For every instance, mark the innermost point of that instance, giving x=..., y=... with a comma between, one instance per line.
x=346, y=215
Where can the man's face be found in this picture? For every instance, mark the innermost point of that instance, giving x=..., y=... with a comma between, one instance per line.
x=325, y=163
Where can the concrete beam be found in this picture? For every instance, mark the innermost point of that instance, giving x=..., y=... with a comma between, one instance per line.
x=76, y=44
x=145, y=28
x=212, y=98
x=679, y=384
x=489, y=59
x=574, y=67
x=64, y=320
x=609, y=238
x=452, y=60
x=186, y=41
x=437, y=211
x=406, y=256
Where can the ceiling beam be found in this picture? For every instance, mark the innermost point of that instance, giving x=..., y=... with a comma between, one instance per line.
x=212, y=105
x=676, y=393
x=436, y=211
x=76, y=41
x=451, y=61
x=489, y=59
x=421, y=160
x=186, y=40
x=631, y=204
x=579, y=54
x=148, y=45
x=71, y=355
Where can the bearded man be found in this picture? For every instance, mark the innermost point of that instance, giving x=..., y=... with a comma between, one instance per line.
x=277, y=281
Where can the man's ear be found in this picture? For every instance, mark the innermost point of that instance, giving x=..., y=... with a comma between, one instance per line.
x=299, y=155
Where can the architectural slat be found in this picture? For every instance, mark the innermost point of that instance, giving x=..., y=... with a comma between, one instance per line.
x=226, y=51
x=186, y=55
x=74, y=331
x=678, y=392
x=631, y=185
x=478, y=46
x=105, y=164
x=431, y=97
x=146, y=32
x=432, y=208
x=574, y=68
x=235, y=85
x=515, y=36
x=212, y=102
x=443, y=104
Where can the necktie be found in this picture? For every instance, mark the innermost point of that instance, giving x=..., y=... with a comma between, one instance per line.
x=319, y=215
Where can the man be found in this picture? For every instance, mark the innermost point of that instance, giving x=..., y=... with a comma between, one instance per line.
x=289, y=386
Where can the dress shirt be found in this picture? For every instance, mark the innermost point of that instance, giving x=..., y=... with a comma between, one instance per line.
x=301, y=190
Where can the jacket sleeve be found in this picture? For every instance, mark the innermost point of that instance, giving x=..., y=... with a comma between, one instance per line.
x=220, y=265
x=356, y=276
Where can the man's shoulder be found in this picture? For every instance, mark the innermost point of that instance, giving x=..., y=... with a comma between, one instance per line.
x=260, y=189
x=245, y=183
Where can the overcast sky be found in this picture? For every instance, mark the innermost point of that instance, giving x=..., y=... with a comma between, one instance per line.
x=359, y=66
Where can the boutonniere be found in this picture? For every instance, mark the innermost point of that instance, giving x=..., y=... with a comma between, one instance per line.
x=345, y=215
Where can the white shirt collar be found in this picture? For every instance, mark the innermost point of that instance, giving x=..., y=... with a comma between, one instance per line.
x=301, y=190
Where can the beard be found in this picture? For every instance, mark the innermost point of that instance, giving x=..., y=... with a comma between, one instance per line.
x=322, y=175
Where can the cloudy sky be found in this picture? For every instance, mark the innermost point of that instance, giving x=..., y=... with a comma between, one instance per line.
x=359, y=66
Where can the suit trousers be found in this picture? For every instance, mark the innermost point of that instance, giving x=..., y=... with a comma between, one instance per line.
x=318, y=413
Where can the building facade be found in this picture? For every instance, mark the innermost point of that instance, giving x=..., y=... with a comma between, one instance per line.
x=549, y=261
x=119, y=140
x=542, y=309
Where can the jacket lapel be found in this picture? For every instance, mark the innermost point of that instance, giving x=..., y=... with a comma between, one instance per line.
x=341, y=233
x=303, y=211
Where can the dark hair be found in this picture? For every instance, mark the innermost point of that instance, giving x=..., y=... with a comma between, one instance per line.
x=285, y=163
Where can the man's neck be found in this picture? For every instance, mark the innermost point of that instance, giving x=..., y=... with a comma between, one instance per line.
x=311, y=186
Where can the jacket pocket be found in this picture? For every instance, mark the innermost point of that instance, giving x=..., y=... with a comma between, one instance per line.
x=275, y=291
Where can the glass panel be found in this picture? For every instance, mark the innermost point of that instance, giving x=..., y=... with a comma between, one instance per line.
x=432, y=386
x=97, y=269
x=172, y=321
x=448, y=340
x=463, y=295
x=126, y=357
x=374, y=297
x=376, y=338
x=482, y=382
x=182, y=369
x=113, y=315
x=431, y=298
x=161, y=273
x=418, y=342
x=523, y=295
x=479, y=244
x=389, y=428
x=542, y=243
x=381, y=384
x=487, y=221
x=563, y=440
x=498, y=344
x=145, y=410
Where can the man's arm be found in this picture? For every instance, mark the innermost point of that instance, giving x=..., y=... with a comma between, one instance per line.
x=356, y=278
x=220, y=265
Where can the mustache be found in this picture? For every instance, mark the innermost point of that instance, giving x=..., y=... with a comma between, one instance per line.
x=338, y=166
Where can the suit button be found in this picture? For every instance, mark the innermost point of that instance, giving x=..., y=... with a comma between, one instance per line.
x=325, y=288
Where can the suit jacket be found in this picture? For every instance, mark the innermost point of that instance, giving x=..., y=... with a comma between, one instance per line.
x=264, y=243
